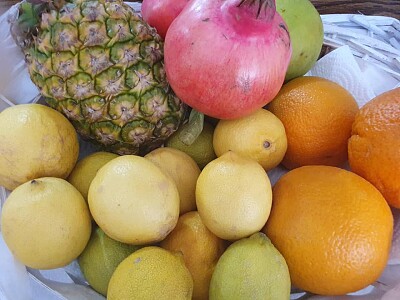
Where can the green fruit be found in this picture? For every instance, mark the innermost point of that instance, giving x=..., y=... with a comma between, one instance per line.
x=251, y=268
x=201, y=150
x=306, y=34
x=101, y=257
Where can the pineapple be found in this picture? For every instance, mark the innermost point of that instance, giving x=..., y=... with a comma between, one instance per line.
x=101, y=65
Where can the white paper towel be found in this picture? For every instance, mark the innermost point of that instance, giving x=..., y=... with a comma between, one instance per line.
x=341, y=67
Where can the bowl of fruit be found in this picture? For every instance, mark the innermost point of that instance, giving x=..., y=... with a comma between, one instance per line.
x=236, y=149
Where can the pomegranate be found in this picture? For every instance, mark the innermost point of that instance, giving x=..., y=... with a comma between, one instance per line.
x=161, y=13
x=227, y=58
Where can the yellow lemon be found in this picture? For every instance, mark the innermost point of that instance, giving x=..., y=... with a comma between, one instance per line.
x=260, y=136
x=101, y=257
x=46, y=223
x=182, y=169
x=36, y=141
x=233, y=196
x=201, y=150
x=86, y=168
x=133, y=201
x=201, y=250
x=151, y=273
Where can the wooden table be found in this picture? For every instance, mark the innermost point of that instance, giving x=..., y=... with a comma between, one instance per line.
x=372, y=7
x=389, y=8
x=5, y=4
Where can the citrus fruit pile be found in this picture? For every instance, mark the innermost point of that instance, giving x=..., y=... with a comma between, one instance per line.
x=158, y=217
x=213, y=230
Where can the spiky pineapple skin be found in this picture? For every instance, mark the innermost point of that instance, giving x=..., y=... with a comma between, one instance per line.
x=101, y=65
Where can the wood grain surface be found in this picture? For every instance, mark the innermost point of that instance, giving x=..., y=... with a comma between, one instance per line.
x=390, y=8
x=5, y=4
x=377, y=7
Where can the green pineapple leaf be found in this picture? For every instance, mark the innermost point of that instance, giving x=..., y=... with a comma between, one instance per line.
x=29, y=16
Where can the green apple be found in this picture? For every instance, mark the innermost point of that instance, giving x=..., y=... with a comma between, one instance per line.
x=306, y=34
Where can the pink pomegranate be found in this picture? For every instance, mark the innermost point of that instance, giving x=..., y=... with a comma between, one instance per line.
x=161, y=13
x=227, y=58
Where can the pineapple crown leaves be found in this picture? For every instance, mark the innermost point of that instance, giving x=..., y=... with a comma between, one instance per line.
x=25, y=27
x=31, y=10
x=29, y=15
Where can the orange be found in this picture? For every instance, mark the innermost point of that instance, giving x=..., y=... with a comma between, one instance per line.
x=333, y=228
x=375, y=142
x=317, y=114
x=201, y=250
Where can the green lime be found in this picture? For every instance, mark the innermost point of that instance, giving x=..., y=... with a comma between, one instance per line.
x=101, y=257
x=201, y=150
x=251, y=268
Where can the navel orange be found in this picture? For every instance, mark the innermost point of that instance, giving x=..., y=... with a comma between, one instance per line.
x=317, y=114
x=333, y=228
x=374, y=146
x=201, y=250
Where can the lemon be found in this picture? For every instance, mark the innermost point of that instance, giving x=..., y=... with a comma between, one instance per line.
x=36, y=141
x=86, y=168
x=251, y=268
x=201, y=150
x=101, y=257
x=46, y=223
x=151, y=273
x=182, y=169
x=260, y=136
x=201, y=250
x=233, y=196
x=133, y=201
